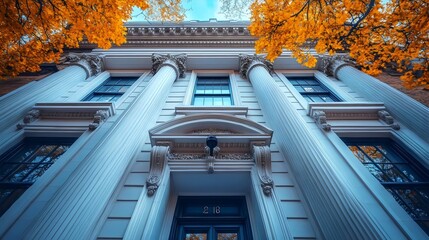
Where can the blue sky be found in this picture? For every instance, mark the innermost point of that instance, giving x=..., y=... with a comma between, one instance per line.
x=197, y=10
x=203, y=9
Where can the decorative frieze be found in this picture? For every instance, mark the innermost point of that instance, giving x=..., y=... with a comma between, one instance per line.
x=93, y=64
x=211, y=131
x=187, y=31
x=81, y=114
x=158, y=160
x=262, y=156
x=178, y=62
x=220, y=156
x=247, y=62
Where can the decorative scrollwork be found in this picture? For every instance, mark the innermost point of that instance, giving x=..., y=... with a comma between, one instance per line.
x=247, y=62
x=178, y=62
x=211, y=159
x=262, y=156
x=158, y=160
x=93, y=64
x=331, y=64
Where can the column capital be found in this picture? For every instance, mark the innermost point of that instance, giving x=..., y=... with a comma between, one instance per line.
x=178, y=62
x=93, y=64
x=247, y=62
x=331, y=64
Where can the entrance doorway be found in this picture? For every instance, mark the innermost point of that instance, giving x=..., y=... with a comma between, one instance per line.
x=207, y=218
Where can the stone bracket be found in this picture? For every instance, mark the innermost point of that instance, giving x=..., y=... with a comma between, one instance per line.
x=387, y=118
x=31, y=116
x=158, y=161
x=320, y=118
x=211, y=159
x=262, y=156
x=99, y=117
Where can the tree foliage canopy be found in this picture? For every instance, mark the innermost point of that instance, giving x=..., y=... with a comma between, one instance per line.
x=393, y=34
x=36, y=31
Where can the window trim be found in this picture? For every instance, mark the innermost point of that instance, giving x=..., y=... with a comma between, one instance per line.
x=10, y=152
x=374, y=187
x=141, y=77
x=189, y=94
x=321, y=78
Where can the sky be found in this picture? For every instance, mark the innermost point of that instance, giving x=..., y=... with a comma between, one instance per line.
x=197, y=10
x=203, y=10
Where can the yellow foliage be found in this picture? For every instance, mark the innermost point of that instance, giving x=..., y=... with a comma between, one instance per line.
x=394, y=34
x=36, y=31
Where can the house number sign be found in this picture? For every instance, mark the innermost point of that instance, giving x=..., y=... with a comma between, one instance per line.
x=215, y=210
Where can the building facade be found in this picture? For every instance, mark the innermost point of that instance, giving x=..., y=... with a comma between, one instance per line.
x=185, y=133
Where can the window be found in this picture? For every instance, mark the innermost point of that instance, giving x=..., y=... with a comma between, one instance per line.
x=212, y=91
x=399, y=172
x=111, y=90
x=211, y=218
x=24, y=163
x=312, y=90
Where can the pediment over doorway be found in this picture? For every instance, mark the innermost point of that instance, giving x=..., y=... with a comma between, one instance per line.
x=189, y=133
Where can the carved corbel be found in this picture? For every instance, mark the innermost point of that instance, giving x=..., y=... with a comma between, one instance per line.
x=211, y=159
x=320, y=118
x=178, y=62
x=158, y=160
x=262, y=156
x=247, y=62
x=387, y=118
x=31, y=116
x=93, y=64
x=99, y=117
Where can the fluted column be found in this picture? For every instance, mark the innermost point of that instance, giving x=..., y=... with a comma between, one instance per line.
x=331, y=197
x=15, y=105
x=78, y=205
x=402, y=107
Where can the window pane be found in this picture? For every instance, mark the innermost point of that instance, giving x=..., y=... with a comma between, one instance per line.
x=217, y=101
x=211, y=91
x=227, y=236
x=114, y=85
x=198, y=101
x=208, y=101
x=391, y=165
x=19, y=170
x=196, y=236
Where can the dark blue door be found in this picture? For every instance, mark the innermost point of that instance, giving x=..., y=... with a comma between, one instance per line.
x=207, y=218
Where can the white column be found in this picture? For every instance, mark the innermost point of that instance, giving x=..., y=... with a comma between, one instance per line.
x=79, y=203
x=15, y=105
x=334, y=202
x=403, y=108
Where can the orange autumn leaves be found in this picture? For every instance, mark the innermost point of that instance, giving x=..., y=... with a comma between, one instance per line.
x=36, y=31
x=377, y=35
